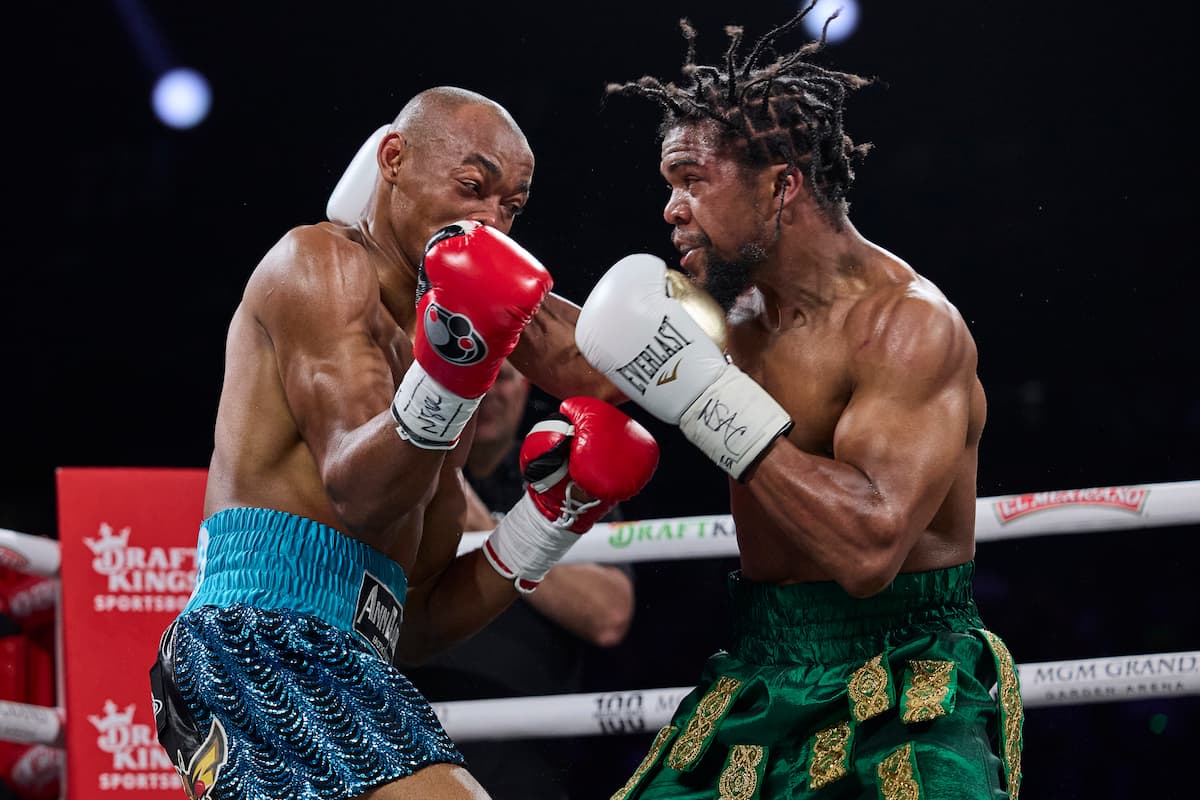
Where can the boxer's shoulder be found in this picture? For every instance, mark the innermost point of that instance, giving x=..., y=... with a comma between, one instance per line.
x=314, y=263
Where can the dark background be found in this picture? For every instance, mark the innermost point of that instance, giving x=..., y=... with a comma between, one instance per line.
x=1032, y=160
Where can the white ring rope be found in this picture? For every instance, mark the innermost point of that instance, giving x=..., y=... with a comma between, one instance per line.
x=1050, y=683
x=35, y=555
x=1106, y=508
x=1047, y=683
x=28, y=724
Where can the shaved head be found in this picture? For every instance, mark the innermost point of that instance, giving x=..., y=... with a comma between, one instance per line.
x=453, y=154
x=428, y=111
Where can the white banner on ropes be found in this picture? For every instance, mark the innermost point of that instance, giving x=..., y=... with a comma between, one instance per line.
x=1052, y=683
x=1110, y=680
x=1107, y=508
x=33, y=555
x=1102, y=508
x=28, y=724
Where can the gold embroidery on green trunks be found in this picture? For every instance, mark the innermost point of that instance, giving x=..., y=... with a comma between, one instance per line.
x=897, y=775
x=1012, y=713
x=930, y=687
x=830, y=756
x=703, y=725
x=870, y=689
x=656, y=747
x=742, y=773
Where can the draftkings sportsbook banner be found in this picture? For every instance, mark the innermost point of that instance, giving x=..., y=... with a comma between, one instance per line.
x=128, y=540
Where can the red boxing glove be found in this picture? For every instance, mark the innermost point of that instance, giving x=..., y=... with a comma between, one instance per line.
x=589, y=445
x=476, y=292
x=578, y=465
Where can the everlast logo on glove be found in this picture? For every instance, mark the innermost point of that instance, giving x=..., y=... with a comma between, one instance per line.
x=378, y=616
x=662, y=342
x=667, y=342
x=453, y=336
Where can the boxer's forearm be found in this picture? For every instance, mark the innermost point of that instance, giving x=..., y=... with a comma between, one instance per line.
x=456, y=605
x=548, y=357
x=373, y=478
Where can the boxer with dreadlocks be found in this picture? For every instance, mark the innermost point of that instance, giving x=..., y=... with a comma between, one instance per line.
x=837, y=388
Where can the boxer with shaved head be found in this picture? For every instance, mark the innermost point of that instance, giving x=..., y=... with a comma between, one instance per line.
x=335, y=504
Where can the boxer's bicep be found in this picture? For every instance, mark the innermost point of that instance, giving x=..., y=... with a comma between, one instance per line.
x=905, y=426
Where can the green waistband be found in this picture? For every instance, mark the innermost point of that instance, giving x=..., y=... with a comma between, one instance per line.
x=821, y=623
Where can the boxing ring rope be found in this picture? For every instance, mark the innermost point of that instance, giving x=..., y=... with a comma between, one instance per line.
x=1051, y=683
x=1109, y=508
x=34, y=555
x=1048, y=683
x=28, y=724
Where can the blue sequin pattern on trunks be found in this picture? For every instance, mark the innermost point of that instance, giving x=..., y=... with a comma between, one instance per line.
x=276, y=681
x=308, y=710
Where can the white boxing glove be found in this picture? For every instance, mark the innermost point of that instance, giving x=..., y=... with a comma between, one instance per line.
x=652, y=333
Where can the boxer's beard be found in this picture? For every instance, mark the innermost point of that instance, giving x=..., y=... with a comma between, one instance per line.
x=726, y=280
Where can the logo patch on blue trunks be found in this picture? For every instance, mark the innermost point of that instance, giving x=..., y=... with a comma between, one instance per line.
x=202, y=770
x=377, y=617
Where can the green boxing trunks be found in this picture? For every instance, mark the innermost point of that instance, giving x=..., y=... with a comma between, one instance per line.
x=827, y=696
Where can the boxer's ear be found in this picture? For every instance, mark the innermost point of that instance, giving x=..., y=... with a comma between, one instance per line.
x=393, y=149
x=787, y=180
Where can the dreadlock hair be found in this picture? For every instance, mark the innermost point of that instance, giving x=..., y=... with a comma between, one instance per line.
x=788, y=111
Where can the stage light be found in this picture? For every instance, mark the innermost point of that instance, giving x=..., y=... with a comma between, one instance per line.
x=841, y=28
x=182, y=98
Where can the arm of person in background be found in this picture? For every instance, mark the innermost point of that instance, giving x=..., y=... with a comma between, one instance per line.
x=594, y=602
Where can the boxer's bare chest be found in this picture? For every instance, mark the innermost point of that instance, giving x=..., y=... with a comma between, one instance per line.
x=804, y=365
x=394, y=343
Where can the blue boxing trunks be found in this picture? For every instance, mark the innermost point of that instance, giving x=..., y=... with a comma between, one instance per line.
x=277, y=680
